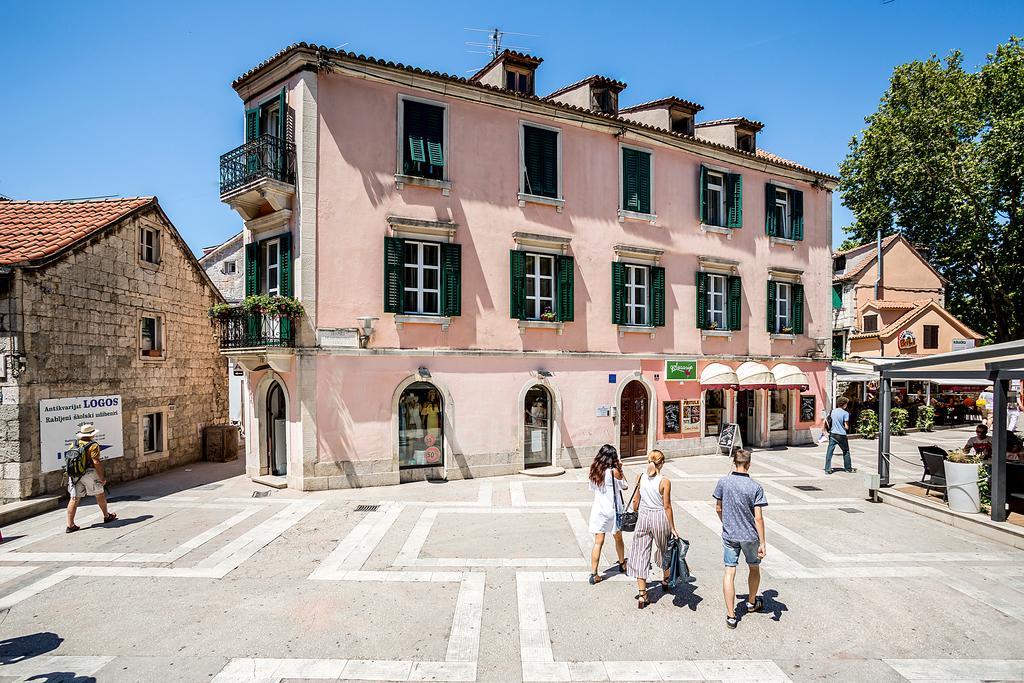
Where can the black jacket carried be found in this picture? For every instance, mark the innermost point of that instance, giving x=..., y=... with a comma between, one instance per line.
x=674, y=560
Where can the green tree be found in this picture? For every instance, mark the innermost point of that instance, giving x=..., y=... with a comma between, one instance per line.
x=942, y=161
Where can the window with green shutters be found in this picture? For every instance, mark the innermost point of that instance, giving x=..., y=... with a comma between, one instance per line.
x=784, y=212
x=422, y=138
x=718, y=301
x=785, y=310
x=721, y=198
x=422, y=277
x=268, y=270
x=636, y=180
x=638, y=295
x=540, y=162
x=541, y=286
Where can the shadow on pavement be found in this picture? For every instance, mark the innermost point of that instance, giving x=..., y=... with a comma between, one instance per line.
x=61, y=677
x=118, y=523
x=686, y=596
x=20, y=648
x=772, y=604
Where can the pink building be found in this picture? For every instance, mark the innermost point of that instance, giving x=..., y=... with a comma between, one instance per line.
x=494, y=280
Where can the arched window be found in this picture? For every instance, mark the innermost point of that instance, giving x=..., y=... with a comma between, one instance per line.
x=420, y=426
x=277, y=431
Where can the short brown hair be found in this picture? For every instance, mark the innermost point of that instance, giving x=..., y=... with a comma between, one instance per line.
x=741, y=457
x=842, y=401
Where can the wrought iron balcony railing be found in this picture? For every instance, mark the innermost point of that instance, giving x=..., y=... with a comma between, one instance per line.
x=267, y=156
x=241, y=329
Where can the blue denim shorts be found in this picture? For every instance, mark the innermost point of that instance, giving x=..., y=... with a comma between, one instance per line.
x=732, y=552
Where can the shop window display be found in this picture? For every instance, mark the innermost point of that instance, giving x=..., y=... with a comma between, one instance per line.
x=778, y=410
x=714, y=411
x=420, y=427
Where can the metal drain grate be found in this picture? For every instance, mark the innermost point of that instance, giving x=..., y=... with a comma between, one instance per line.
x=207, y=487
x=260, y=494
x=367, y=508
x=805, y=487
x=852, y=511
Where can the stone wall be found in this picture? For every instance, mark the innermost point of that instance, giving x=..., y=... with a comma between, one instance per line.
x=231, y=285
x=81, y=332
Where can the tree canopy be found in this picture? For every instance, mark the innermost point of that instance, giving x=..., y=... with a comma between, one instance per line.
x=942, y=161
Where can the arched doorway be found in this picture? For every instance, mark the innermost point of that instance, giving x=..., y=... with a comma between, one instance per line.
x=633, y=419
x=277, y=430
x=420, y=427
x=537, y=427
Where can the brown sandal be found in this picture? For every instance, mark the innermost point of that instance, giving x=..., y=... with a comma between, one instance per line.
x=109, y=518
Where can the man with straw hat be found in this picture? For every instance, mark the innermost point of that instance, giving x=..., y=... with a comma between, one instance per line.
x=92, y=482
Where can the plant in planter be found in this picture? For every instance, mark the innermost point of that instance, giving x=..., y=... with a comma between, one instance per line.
x=713, y=325
x=220, y=311
x=898, y=421
x=284, y=306
x=549, y=316
x=984, y=493
x=926, y=419
x=787, y=330
x=962, y=475
x=867, y=425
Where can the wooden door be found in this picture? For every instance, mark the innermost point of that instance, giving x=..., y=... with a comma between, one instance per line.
x=633, y=413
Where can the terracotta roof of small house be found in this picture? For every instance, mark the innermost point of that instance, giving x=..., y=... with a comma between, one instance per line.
x=322, y=53
x=510, y=56
x=859, y=258
x=734, y=119
x=918, y=308
x=596, y=79
x=31, y=230
x=885, y=305
x=663, y=102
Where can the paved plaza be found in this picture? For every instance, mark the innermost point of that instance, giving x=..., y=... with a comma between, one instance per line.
x=487, y=580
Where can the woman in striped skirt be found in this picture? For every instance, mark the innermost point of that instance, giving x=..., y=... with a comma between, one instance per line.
x=654, y=526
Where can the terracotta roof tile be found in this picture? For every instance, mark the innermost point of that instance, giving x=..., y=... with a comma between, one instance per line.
x=33, y=230
x=596, y=79
x=733, y=119
x=662, y=102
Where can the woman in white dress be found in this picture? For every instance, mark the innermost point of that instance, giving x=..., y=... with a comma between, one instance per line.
x=606, y=481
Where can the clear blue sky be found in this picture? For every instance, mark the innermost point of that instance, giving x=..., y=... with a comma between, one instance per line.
x=134, y=98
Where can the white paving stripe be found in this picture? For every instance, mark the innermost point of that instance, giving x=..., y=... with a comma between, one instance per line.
x=486, y=494
x=33, y=668
x=8, y=573
x=353, y=550
x=1012, y=607
x=273, y=670
x=958, y=669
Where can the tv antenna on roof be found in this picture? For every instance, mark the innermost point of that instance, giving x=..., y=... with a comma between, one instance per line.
x=493, y=44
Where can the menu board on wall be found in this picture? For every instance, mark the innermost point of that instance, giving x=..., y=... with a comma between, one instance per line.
x=691, y=416
x=670, y=410
x=807, y=403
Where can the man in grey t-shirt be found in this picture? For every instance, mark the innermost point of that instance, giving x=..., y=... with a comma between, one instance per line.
x=738, y=501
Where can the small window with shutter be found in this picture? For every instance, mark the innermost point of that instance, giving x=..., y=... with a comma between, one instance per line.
x=540, y=162
x=424, y=148
x=422, y=278
x=636, y=181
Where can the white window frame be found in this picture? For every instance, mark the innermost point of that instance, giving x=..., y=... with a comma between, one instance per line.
x=720, y=204
x=635, y=292
x=718, y=314
x=229, y=268
x=534, y=278
x=783, y=306
x=525, y=196
x=421, y=268
x=159, y=336
x=628, y=213
x=785, y=226
x=400, y=141
x=160, y=442
x=151, y=258
x=269, y=290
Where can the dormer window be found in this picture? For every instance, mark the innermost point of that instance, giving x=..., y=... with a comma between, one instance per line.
x=605, y=101
x=520, y=81
x=745, y=142
x=838, y=264
x=682, y=124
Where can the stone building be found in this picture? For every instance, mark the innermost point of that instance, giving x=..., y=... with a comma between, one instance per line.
x=102, y=301
x=223, y=264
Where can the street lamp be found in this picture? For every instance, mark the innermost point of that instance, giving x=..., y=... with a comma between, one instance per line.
x=365, y=329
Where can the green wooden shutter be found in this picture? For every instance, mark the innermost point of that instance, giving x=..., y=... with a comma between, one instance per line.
x=394, y=274
x=734, y=200
x=644, y=181
x=798, y=309
x=252, y=124
x=702, y=300
x=549, y=163
x=451, y=279
x=735, y=302
x=797, y=210
x=619, y=316
x=837, y=296
x=630, y=180
x=416, y=149
x=770, y=227
x=517, y=284
x=771, y=307
x=702, y=194
x=565, y=266
x=435, y=153
x=657, y=296
x=286, y=288
x=282, y=119
x=533, y=172
x=252, y=269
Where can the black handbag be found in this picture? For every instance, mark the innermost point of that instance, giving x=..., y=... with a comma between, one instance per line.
x=628, y=518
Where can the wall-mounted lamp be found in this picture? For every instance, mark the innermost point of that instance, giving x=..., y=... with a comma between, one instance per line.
x=545, y=373
x=365, y=329
x=423, y=373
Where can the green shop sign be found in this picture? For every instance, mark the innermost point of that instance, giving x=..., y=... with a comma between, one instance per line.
x=680, y=370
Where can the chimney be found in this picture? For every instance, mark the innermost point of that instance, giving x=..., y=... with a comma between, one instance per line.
x=670, y=113
x=510, y=70
x=596, y=93
x=736, y=132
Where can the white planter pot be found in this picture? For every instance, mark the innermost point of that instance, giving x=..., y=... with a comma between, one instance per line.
x=962, y=483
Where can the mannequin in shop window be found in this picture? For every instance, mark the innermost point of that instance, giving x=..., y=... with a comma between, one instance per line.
x=431, y=412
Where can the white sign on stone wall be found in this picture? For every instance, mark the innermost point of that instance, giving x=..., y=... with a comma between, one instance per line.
x=60, y=419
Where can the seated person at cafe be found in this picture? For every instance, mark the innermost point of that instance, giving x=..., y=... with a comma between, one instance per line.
x=1014, y=448
x=981, y=442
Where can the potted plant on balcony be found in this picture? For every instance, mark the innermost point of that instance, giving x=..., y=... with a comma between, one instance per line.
x=283, y=306
x=220, y=311
x=548, y=316
x=962, y=481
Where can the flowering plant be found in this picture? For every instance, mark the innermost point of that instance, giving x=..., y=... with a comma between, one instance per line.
x=548, y=315
x=284, y=306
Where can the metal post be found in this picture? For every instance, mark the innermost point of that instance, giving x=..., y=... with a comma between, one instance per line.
x=884, y=405
x=1000, y=388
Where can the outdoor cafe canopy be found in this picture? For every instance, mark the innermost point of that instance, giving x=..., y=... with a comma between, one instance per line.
x=998, y=363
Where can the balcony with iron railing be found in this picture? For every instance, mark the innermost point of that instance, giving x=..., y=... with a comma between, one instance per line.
x=242, y=329
x=259, y=176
